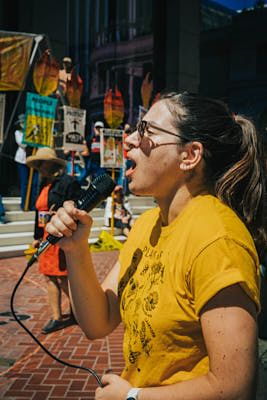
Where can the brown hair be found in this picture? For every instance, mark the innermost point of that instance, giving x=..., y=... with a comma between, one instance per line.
x=235, y=167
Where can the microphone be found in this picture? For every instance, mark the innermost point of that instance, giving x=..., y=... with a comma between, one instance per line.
x=99, y=190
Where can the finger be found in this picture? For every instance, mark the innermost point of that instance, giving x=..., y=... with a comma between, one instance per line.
x=79, y=215
x=52, y=208
x=64, y=222
x=107, y=378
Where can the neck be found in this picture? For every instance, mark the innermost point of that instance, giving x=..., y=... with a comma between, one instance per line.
x=172, y=206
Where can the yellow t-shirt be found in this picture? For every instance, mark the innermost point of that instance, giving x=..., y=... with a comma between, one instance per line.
x=168, y=273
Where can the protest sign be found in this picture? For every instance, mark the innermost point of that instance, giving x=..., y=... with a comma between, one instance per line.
x=111, y=148
x=74, y=126
x=39, y=120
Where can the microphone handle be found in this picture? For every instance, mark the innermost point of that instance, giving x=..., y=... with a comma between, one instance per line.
x=87, y=202
x=90, y=200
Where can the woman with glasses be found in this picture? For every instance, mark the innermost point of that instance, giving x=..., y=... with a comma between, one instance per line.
x=186, y=285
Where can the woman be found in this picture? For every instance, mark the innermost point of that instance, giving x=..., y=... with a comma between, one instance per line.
x=186, y=285
x=56, y=186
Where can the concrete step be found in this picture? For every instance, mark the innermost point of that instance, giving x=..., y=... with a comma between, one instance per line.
x=18, y=250
x=12, y=239
x=19, y=215
x=17, y=226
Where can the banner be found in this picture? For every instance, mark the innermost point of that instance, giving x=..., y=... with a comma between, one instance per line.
x=111, y=148
x=74, y=125
x=15, y=51
x=2, y=115
x=39, y=120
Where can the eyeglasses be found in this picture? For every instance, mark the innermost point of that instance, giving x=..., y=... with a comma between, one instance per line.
x=143, y=126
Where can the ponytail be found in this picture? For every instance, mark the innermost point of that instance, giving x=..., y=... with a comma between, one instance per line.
x=242, y=186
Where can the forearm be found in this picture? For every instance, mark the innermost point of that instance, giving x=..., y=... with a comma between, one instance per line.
x=206, y=387
x=90, y=302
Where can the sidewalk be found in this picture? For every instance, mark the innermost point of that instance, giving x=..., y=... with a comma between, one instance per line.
x=28, y=373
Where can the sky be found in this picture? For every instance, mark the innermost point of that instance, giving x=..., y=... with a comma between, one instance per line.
x=237, y=4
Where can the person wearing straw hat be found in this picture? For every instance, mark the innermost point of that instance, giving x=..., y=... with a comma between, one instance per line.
x=56, y=187
x=20, y=159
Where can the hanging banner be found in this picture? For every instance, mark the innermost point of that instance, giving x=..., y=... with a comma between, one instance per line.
x=111, y=148
x=15, y=51
x=2, y=115
x=74, y=128
x=39, y=120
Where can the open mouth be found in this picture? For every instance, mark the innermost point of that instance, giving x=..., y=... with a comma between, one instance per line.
x=131, y=170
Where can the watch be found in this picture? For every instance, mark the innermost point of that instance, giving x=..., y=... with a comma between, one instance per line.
x=133, y=394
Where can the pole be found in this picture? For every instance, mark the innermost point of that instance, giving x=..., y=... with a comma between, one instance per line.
x=72, y=162
x=112, y=205
x=29, y=184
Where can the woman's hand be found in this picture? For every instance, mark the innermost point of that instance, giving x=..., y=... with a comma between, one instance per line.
x=72, y=223
x=36, y=244
x=115, y=388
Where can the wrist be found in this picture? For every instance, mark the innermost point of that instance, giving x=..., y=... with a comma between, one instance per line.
x=133, y=394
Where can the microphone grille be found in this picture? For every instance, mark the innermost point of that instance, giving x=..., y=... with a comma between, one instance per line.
x=104, y=184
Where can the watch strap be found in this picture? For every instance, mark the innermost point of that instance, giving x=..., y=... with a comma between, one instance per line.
x=133, y=394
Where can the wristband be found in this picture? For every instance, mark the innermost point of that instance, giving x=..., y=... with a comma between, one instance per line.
x=133, y=394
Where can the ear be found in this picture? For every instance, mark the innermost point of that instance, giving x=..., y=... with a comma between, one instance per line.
x=191, y=156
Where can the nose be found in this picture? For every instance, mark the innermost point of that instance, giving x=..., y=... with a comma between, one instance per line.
x=132, y=140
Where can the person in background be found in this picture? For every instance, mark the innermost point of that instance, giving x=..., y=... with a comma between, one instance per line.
x=65, y=74
x=20, y=158
x=186, y=285
x=56, y=187
x=2, y=212
x=122, y=211
x=92, y=153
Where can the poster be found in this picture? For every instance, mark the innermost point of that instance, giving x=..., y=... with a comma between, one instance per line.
x=39, y=120
x=2, y=115
x=74, y=128
x=111, y=148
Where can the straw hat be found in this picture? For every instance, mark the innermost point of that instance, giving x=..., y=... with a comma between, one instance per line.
x=45, y=154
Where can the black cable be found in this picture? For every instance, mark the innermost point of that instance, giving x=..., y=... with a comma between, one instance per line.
x=37, y=341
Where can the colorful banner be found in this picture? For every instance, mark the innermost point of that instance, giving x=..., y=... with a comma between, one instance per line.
x=15, y=51
x=2, y=115
x=111, y=148
x=74, y=125
x=146, y=90
x=39, y=121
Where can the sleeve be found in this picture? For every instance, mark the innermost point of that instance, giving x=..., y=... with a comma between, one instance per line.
x=73, y=191
x=223, y=263
x=18, y=138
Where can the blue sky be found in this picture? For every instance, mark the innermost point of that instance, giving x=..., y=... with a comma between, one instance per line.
x=237, y=4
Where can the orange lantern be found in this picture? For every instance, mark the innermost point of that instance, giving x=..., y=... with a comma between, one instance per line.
x=146, y=90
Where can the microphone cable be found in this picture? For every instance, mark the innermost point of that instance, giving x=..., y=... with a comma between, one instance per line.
x=35, y=338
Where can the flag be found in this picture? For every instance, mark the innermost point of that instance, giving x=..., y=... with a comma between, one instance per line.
x=15, y=50
x=74, y=89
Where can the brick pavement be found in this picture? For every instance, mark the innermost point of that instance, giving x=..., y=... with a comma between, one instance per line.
x=26, y=371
